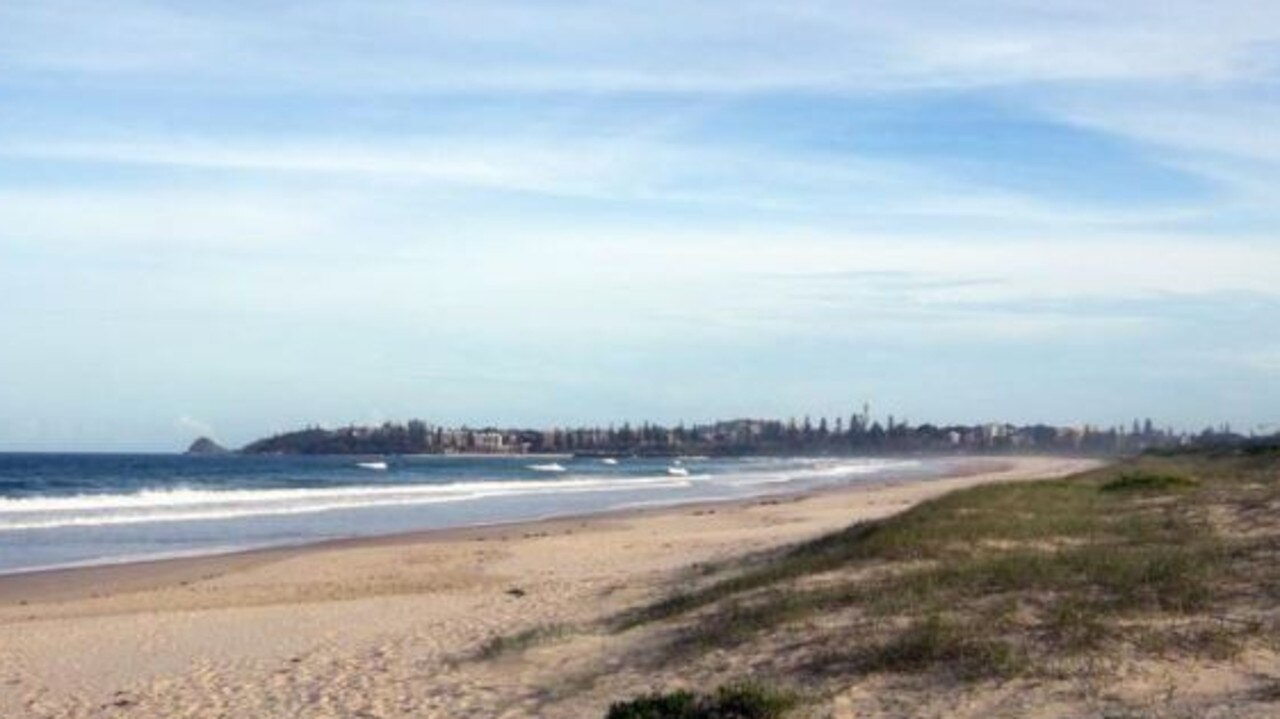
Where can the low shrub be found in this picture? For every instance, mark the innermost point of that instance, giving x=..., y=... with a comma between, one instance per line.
x=511, y=643
x=1148, y=482
x=745, y=700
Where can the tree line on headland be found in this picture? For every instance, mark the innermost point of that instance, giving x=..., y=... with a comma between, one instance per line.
x=858, y=435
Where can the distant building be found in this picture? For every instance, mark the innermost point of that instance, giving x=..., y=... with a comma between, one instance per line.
x=489, y=442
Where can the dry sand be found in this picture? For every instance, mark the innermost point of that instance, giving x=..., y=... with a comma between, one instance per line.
x=392, y=627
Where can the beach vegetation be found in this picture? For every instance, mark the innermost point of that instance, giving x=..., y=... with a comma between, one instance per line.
x=1154, y=556
x=1148, y=482
x=744, y=700
x=506, y=644
x=962, y=648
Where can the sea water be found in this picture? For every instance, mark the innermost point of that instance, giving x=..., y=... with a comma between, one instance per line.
x=59, y=510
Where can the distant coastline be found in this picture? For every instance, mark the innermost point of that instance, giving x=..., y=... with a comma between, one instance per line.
x=859, y=435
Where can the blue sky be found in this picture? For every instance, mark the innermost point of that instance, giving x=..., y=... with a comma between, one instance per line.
x=235, y=217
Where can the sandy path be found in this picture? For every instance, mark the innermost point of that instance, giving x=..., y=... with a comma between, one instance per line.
x=389, y=628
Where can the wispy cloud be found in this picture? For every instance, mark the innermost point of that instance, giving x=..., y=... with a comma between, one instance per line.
x=195, y=426
x=633, y=46
x=592, y=198
x=302, y=186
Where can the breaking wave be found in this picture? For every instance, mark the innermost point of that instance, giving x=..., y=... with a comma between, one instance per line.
x=192, y=504
x=187, y=504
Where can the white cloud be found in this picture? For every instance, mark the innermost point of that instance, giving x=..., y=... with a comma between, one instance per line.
x=1105, y=66
x=263, y=190
x=641, y=46
x=59, y=220
x=1042, y=267
x=195, y=426
x=267, y=192
x=1229, y=121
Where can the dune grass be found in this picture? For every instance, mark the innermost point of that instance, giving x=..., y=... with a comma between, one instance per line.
x=505, y=644
x=1009, y=579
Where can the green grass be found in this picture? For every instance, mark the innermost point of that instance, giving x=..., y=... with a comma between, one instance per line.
x=1004, y=579
x=964, y=649
x=748, y=700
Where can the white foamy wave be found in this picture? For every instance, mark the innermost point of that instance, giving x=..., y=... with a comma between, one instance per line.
x=132, y=558
x=822, y=470
x=862, y=466
x=186, y=504
x=552, y=467
x=190, y=504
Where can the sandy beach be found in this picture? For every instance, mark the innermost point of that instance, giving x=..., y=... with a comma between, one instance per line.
x=397, y=626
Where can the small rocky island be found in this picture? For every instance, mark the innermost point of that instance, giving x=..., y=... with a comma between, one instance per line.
x=204, y=445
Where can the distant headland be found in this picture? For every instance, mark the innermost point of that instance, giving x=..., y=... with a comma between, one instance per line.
x=858, y=434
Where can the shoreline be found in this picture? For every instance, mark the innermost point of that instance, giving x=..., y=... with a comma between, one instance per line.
x=71, y=582
x=392, y=626
x=934, y=467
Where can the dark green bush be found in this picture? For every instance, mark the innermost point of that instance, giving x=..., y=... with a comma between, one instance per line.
x=1148, y=482
x=673, y=705
x=746, y=700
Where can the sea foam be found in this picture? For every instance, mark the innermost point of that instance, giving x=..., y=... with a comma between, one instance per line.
x=188, y=504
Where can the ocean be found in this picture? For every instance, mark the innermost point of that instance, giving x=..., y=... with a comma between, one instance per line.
x=61, y=510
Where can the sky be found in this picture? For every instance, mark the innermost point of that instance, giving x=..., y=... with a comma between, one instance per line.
x=235, y=218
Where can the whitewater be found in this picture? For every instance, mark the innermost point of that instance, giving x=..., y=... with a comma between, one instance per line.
x=71, y=510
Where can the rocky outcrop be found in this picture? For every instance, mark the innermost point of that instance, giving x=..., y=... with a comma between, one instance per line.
x=204, y=445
